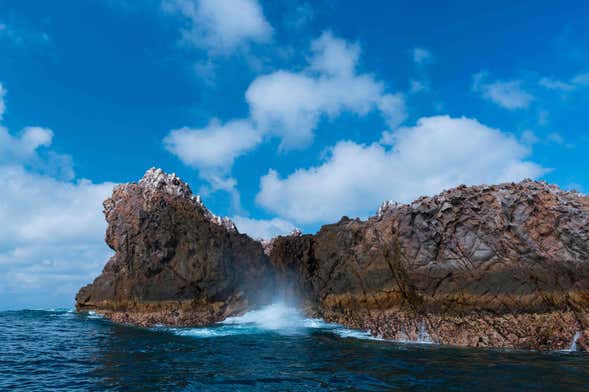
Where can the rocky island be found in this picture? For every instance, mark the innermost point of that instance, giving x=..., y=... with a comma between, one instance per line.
x=487, y=266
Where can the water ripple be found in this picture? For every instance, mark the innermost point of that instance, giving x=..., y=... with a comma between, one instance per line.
x=276, y=351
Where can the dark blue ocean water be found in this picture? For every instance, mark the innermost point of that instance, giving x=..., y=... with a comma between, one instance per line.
x=273, y=350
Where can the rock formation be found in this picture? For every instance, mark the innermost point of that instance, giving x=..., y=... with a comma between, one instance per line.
x=175, y=262
x=492, y=266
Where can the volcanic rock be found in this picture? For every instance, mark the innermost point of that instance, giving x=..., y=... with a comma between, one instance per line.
x=175, y=263
x=494, y=266
x=489, y=266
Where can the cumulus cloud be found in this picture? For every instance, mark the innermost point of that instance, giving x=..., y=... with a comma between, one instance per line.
x=393, y=109
x=40, y=209
x=51, y=237
x=221, y=25
x=290, y=104
x=507, y=94
x=213, y=147
x=212, y=150
x=263, y=228
x=437, y=153
x=23, y=148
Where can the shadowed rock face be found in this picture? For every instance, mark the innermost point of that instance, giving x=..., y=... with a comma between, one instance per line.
x=175, y=262
x=493, y=266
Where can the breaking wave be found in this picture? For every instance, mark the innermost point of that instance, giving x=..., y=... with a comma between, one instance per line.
x=277, y=318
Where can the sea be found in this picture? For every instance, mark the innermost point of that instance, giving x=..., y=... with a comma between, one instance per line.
x=271, y=349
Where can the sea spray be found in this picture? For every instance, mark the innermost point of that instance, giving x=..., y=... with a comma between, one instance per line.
x=274, y=317
x=574, y=342
x=422, y=336
x=278, y=318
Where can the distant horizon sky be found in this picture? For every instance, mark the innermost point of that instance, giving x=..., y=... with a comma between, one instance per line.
x=280, y=114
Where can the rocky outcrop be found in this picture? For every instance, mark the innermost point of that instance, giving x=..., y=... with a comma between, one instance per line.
x=175, y=262
x=492, y=266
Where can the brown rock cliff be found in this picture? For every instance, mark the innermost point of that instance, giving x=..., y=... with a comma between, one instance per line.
x=500, y=266
x=493, y=266
x=175, y=262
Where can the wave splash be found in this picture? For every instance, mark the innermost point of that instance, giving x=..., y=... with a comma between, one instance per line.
x=277, y=318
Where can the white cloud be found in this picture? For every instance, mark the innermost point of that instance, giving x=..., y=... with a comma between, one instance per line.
x=333, y=56
x=290, y=104
x=421, y=56
x=553, y=84
x=393, y=109
x=51, y=237
x=23, y=148
x=213, y=147
x=221, y=25
x=212, y=150
x=507, y=94
x=263, y=228
x=39, y=209
x=576, y=82
x=438, y=153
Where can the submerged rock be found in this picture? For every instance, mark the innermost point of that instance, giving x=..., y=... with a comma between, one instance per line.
x=493, y=266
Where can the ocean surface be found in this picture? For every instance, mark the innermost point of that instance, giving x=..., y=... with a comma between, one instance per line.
x=273, y=349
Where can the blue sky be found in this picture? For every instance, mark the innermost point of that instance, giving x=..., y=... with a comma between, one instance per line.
x=281, y=114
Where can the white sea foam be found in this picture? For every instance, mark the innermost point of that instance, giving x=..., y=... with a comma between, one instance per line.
x=93, y=315
x=274, y=317
x=277, y=318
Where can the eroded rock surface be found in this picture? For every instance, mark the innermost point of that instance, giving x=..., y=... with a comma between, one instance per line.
x=493, y=266
x=175, y=262
x=498, y=266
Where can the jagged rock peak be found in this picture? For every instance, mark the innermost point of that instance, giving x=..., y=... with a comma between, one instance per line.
x=504, y=193
x=269, y=243
x=295, y=232
x=155, y=179
x=385, y=207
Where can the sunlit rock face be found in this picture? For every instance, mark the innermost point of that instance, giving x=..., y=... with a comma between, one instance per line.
x=493, y=266
x=175, y=262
